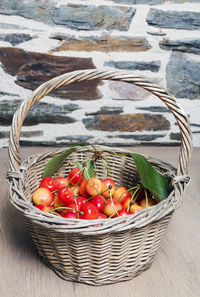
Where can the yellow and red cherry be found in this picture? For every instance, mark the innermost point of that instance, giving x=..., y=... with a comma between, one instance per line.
x=111, y=207
x=149, y=202
x=93, y=186
x=121, y=194
x=42, y=196
x=57, y=203
x=89, y=212
x=45, y=208
x=135, y=208
x=59, y=182
x=66, y=195
x=46, y=182
x=121, y=213
x=108, y=187
x=82, y=189
x=99, y=202
x=75, y=176
x=127, y=202
x=75, y=189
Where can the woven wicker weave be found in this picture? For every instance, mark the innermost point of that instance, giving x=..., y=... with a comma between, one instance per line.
x=102, y=251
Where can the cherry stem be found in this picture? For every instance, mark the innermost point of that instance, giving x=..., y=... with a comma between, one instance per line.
x=132, y=197
x=127, y=191
x=99, y=195
x=73, y=177
x=146, y=198
x=113, y=204
x=95, y=188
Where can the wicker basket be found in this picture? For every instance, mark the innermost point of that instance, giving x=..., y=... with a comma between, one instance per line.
x=103, y=251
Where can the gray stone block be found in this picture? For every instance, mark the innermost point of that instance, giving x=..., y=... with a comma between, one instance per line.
x=15, y=38
x=135, y=65
x=189, y=45
x=90, y=17
x=186, y=20
x=154, y=108
x=106, y=110
x=183, y=76
x=40, y=113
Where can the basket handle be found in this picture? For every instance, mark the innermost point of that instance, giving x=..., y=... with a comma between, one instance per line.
x=84, y=75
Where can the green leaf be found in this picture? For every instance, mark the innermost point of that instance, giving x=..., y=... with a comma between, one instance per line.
x=53, y=165
x=79, y=165
x=151, y=179
x=89, y=169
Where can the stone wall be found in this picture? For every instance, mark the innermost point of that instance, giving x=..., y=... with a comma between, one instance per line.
x=44, y=38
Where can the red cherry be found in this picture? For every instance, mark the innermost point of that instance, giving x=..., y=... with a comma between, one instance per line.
x=98, y=202
x=42, y=196
x=90, y=212
x=66, y=195
x=75, y=176
x=81, y=200
x=72, y=207
x=47, y=183
x=59, y=182
x=69, y=215
x=102, y=216
x=121, y=213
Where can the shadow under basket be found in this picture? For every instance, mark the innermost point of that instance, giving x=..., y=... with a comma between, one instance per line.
x=97, y=252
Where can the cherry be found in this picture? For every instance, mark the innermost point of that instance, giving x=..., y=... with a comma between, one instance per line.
x=69, y=215
x=90, y=212
x=98, y=202
x=140, y=195
x=75, y=189
x=121, y=213
x=75, y=176
x=60, y=182
x=135, y=208
x=128, y=201
x=108, y=187
x=101, y=216
x=42, y=196
x=82, y=189
x=150, y=202
x=58, y=203
x=46, y=182
x=80, y=201
x=112, y=207
x=66, y=195
x=121, y=194
x=72, y=207
x=93, y=186
x=45, y=208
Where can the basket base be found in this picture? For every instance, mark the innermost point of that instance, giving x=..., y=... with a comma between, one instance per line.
x=95, y=282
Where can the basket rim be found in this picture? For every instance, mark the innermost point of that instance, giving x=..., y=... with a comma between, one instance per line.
x=87, y=227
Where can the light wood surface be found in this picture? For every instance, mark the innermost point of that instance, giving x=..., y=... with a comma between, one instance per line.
x=175, y=271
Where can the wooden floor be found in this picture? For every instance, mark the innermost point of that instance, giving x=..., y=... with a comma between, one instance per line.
x=175, y=271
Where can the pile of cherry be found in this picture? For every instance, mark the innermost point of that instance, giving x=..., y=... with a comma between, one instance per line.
x=75, y=197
